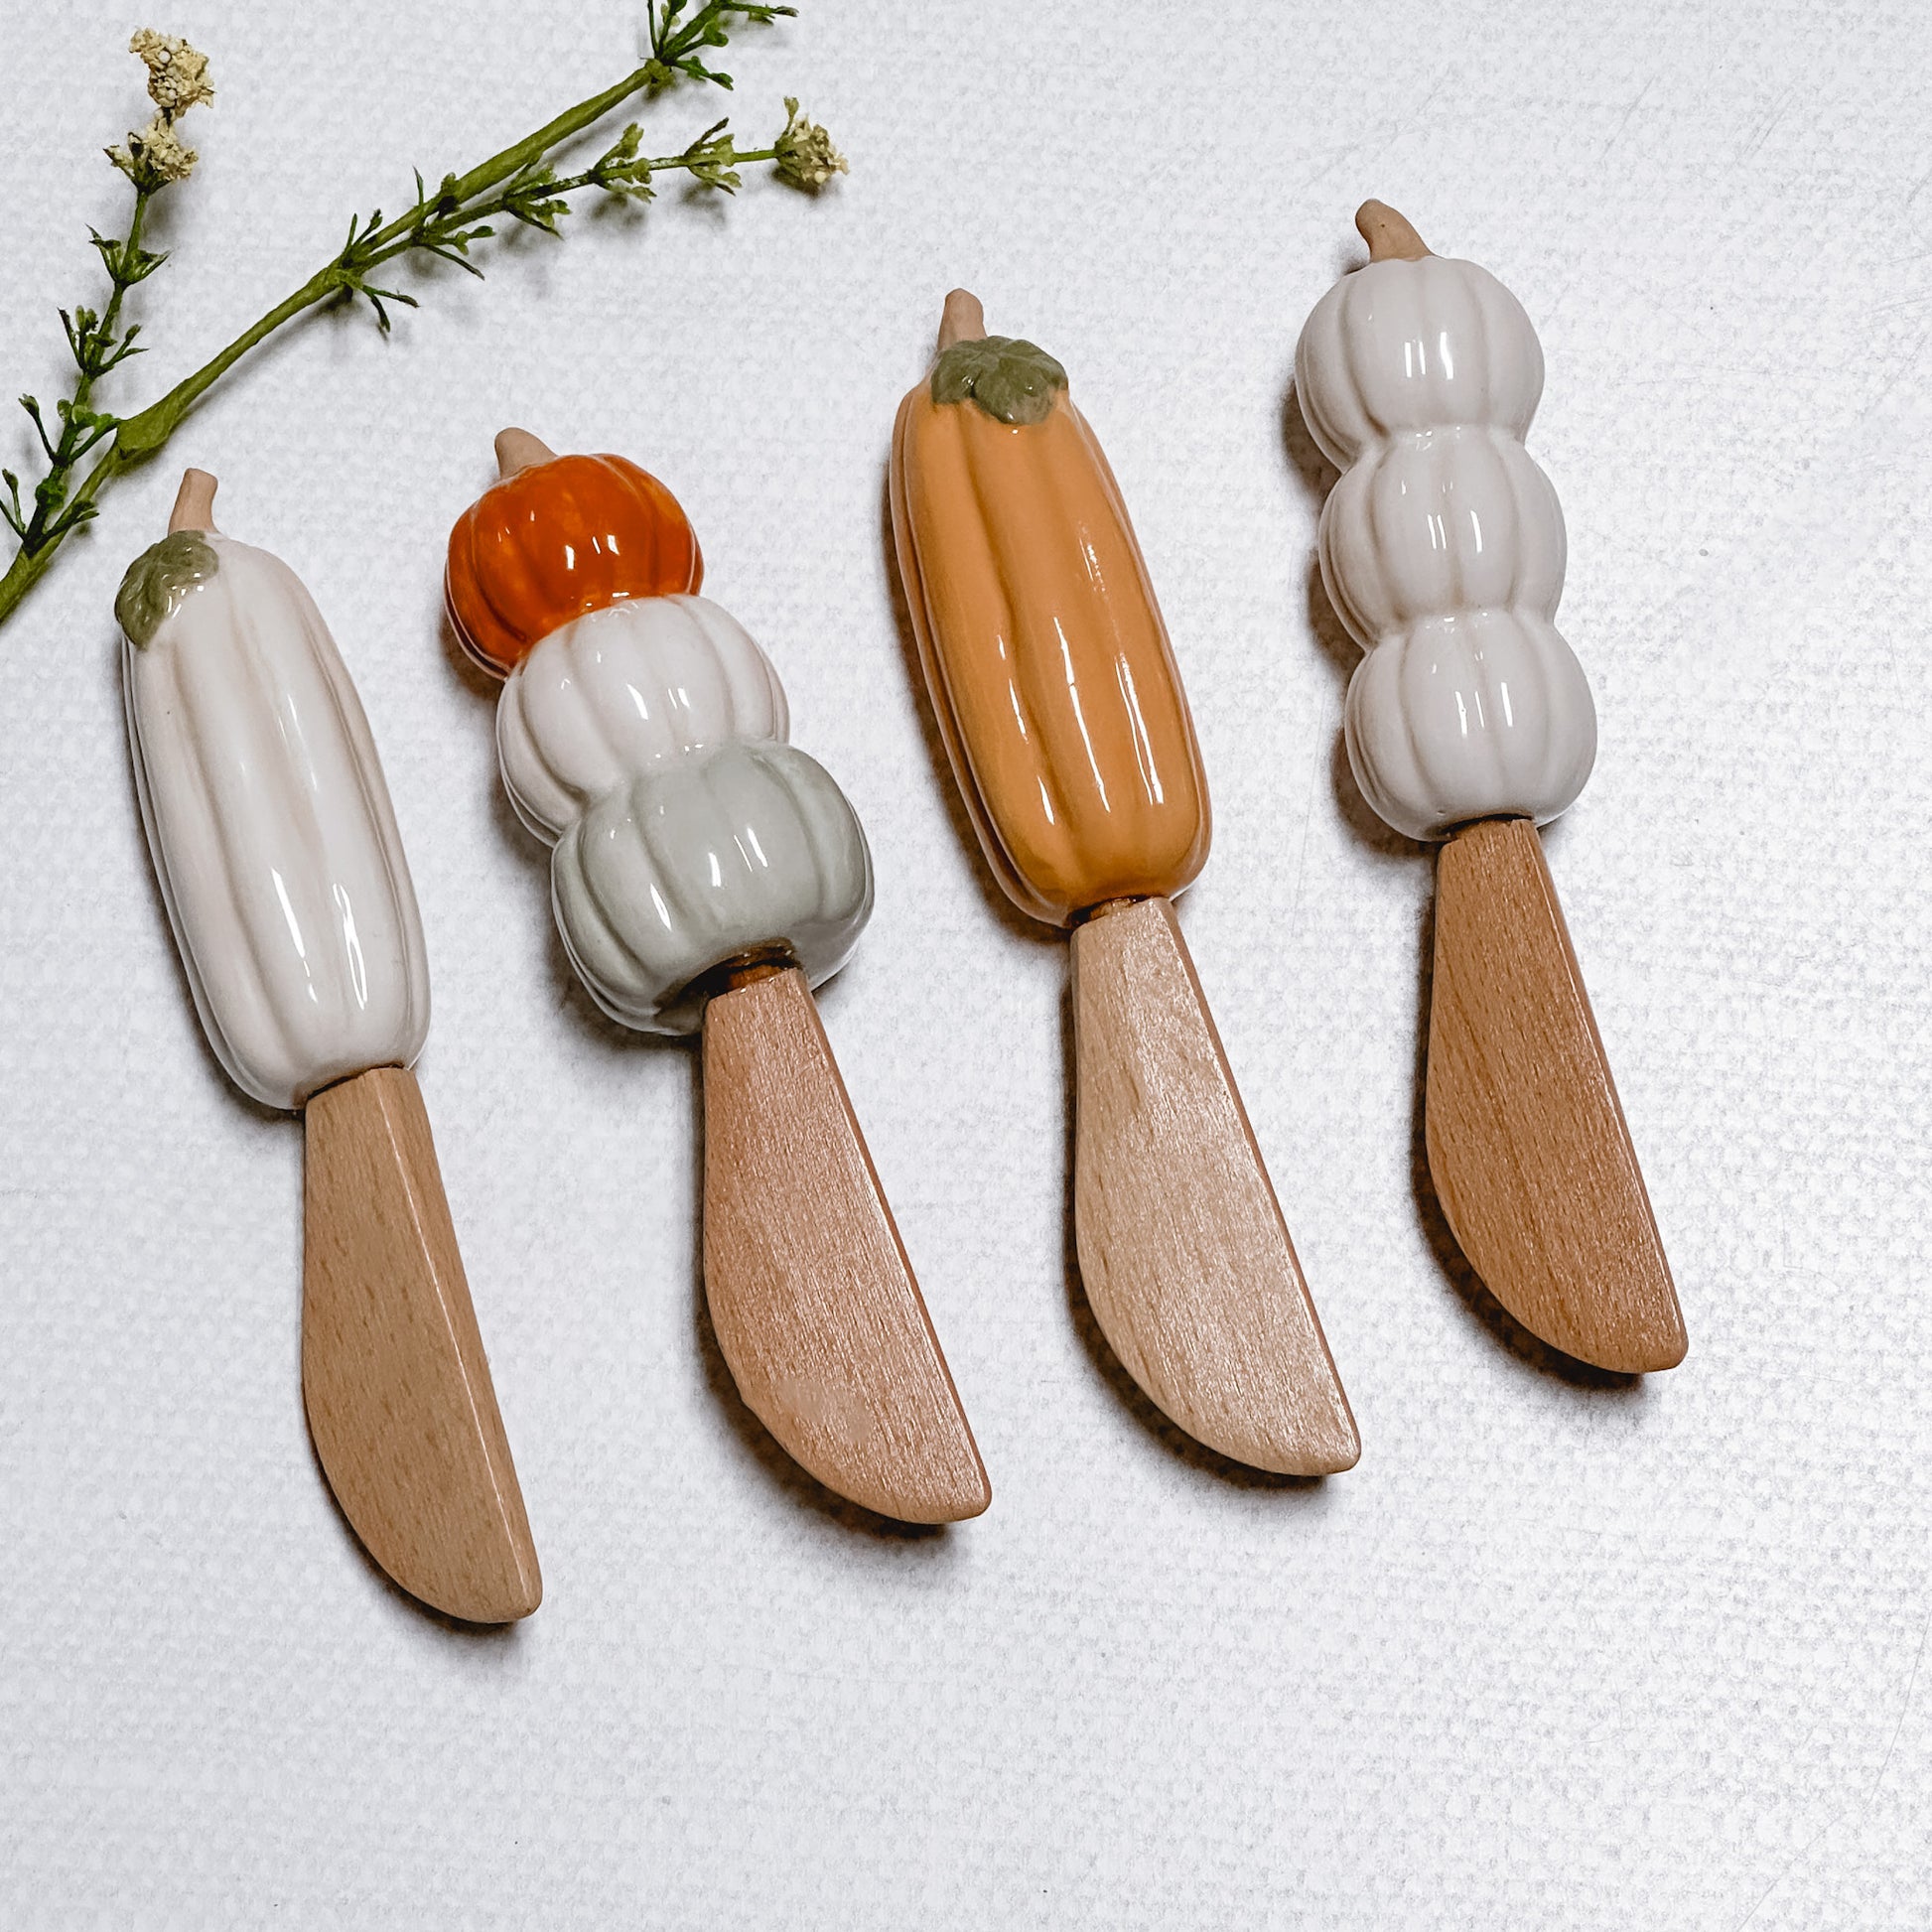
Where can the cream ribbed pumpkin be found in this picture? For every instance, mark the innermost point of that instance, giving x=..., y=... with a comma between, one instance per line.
x=1415, y=345
x=1442, y=547
x=624, y=689
x=269, y=821
x=647, y=742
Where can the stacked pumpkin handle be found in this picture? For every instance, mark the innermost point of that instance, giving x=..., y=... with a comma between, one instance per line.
x=1468, y=723
x=706, y=875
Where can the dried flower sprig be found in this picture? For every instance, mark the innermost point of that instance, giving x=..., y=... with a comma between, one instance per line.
x=177, y=80
x=521, y=184
x=151, y=159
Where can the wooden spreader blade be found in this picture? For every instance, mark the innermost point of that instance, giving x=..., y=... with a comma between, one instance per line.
x=1527, y=1143
x=399, y=1391
x=813, y=1301
x=1183, y=1251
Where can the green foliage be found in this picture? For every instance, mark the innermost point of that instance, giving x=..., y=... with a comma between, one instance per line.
x=675, y=47
x=521, y=186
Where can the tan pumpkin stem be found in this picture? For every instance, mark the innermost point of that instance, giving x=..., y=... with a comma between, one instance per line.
x=962, y=320
x=193, y=503
x=1389, y=236
x=517, y=449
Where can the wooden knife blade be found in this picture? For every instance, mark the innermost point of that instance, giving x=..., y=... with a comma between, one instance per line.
x=393, y=1373
x=814, y=1303
x=1527, y=1142
x=1186, y=1260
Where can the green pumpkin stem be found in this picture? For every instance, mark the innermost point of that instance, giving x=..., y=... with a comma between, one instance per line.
x=159, y=580
x=1014, y=382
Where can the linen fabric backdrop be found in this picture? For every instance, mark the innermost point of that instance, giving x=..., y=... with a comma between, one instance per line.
x=1563, y=1652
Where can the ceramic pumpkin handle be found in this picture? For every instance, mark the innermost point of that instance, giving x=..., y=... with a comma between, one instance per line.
x=1061, y=709
x=1470, y=720
x=290, y=898
x=1074, y=749
x=705, y=876
x=558, y=537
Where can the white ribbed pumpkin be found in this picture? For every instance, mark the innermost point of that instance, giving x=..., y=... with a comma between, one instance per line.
x=1415, y=345
x=269, y=821
x=647, y=742
x=1442, y=548
x=697, y=861
x=1472, y=715
x=622, y=689
x=1447, y=519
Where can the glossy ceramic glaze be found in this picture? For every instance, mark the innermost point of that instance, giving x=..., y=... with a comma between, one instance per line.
x=270, y=824
x=629, y=687
x=1043, y=648
x=555, y=540
x=1413, y=346
x=727, y=850
x=1442, y=548
x=643, y=736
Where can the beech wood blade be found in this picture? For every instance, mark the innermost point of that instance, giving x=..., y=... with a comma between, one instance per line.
x=813, y=1301
x=1186, y=1258
x=399, y=1391
x=1527, y=1142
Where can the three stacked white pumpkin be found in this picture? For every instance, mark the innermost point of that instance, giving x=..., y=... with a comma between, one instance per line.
x=1442, y=547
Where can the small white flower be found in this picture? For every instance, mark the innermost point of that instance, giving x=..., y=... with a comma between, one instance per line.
x=177, y=73
x=806, y=155
x=154, y=155
x=177, y=80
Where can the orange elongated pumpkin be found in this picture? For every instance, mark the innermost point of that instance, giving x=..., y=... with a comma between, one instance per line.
x=555, y=540
x=1043, y=648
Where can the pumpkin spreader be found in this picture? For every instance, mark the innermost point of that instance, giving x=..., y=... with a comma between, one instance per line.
x=285, y=883
x=1056, y=694
x=705, y=876
x=1469, y=722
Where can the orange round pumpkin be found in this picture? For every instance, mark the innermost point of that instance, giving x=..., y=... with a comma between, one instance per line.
x=555, y=540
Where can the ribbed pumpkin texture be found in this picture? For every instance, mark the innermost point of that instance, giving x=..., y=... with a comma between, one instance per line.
x=557, y=540
x=1045, y=655
x=272, y=833
x=635, y=685
x=699, y=860
x=1442, y=548
x=1410, y=345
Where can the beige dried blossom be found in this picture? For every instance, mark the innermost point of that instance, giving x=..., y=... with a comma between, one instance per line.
x=805, y=153
x=154, y=155
x=177, y=80
x=177, y=73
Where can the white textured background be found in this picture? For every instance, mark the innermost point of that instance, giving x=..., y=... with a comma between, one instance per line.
x=1558, y=1654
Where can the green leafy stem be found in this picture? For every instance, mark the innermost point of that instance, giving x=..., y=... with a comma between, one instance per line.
x=519, y=185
